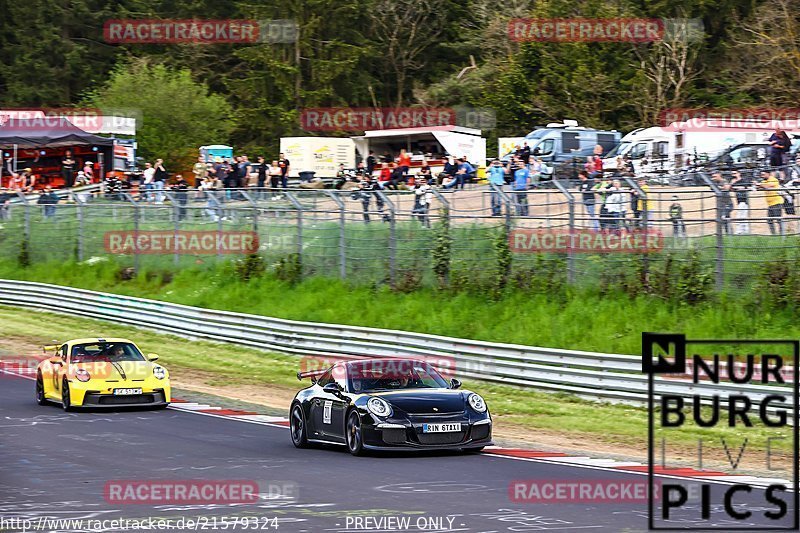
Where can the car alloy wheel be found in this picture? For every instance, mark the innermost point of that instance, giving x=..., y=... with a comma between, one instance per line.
x=298, y=427
x=40, y=399
x=354, y=437
x=66, y=402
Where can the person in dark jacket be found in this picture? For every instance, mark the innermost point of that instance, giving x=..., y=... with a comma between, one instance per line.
x=49, y=200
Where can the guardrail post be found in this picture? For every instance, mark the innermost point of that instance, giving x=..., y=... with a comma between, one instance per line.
x=571, y=205
x=719, y=264
x=392, y=235
x=299, y=207
x=342, y=236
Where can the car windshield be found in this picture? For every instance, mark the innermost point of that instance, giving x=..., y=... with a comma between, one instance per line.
x=391, y=374
x=105, y=351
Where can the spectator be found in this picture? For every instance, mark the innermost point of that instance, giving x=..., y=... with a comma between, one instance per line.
x=525, y=153
x=88, y=171
x=112, y=187
x=462, y=174
x=449, y=171
x=371, y=162
x=160, y=178
x=676, y=217
x=425, y=171
x=274, y=175
x=200, y=171
x=522, y=180
x=536, y=167
x=385, y=176
x=397, y=177
x=740, y=187
x=641, y=205
x=149, y=173
x=342, y=177
x=285, y=167
x=81, y=179
x=5, y=204
x=586, y=188
x=28, y=181
x=181, y=190
x=68, y=169
x=262, y=169
x=243, y=172
x=48, y=200
x=497, y=178
x=771, y=186
x=602, y=189
x=615, y=205
x=780, y=144
x=422, y=201
x=404, y=161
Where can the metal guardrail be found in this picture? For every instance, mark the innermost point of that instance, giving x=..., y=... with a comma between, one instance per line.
x=591, y=375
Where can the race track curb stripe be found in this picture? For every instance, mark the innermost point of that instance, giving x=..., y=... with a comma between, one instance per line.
x=519, y=454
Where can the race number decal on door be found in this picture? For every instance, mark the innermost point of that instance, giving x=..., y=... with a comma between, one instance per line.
x=326, y=412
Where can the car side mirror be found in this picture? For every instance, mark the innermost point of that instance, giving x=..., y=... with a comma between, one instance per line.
x=152, y=357
x=332, y=388
x=56, y=360
x=454, y=383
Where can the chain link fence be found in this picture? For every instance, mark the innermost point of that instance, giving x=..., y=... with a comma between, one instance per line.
x=406, y=239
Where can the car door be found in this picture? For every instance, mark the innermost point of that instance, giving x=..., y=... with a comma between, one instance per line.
x=327, y=410
x=59, y=370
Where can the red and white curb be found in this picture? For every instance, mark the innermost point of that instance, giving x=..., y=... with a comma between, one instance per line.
x=519, y=454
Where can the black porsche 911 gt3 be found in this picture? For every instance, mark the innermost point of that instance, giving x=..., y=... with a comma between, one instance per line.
x=388, y=404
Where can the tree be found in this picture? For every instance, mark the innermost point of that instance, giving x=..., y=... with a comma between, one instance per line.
x=175, y=114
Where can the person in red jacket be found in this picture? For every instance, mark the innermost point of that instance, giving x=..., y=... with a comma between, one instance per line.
x=404, y=161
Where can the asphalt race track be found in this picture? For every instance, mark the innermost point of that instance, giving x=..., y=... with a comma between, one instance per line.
x=56, y=465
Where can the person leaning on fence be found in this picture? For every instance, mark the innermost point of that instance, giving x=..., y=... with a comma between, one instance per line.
x=676, y=217
x=725, y=207
x=639, y=204
x=422, y=201
x=615, y=205
x=48, y=200
x=602, y=190
x=496, y=175
x=181, y=190
x=771, y=186
x=522, y=180
x=586, y=188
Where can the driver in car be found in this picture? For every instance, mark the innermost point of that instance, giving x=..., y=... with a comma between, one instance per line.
x=117, y=353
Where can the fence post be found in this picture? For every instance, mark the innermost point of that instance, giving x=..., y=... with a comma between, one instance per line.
x=130, y=199
x=299, y=207
x=571, y=253
x=79, y=210
x=719, y=264
x=342, y=236
x=392, y=235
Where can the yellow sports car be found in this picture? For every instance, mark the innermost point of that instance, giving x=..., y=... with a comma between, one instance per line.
x=101, y=373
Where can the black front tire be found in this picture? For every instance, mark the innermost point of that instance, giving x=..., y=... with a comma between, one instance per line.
x=355, y=438
x=297, y=427
x=40, y=397
x=66, y=400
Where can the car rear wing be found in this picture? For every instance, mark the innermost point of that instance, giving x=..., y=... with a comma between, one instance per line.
x=311, y=374
x=50, y=348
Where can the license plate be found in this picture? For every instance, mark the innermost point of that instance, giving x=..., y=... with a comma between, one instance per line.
x=441, y=428
x=126, y=392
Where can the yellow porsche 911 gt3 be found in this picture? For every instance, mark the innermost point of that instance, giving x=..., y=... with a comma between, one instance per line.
x=101, y=373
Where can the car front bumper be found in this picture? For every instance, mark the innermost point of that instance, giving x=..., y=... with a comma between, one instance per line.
x=408, y=435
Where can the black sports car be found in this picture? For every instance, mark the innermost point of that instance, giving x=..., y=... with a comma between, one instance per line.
x=376, y=404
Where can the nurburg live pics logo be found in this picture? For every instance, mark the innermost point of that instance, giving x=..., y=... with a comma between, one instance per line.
x=756, y=401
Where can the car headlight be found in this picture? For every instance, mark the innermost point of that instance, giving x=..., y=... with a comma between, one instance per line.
x=477, y=403
x=159, y=372
x=379, y=407
x=82, y=375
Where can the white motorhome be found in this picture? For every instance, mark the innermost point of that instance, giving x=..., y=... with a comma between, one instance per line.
x=670, y=149
x=321, y=155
